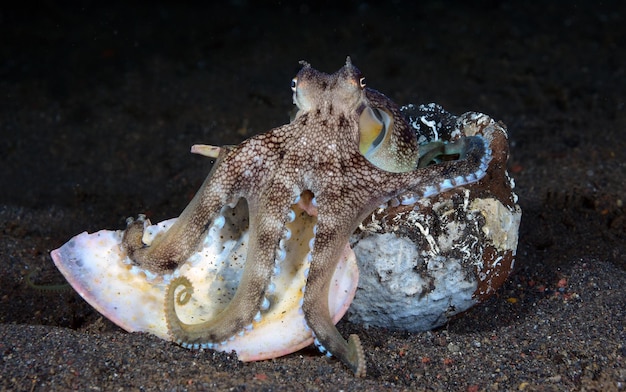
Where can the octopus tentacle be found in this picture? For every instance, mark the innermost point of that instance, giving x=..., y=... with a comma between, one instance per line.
x=172, y=248
x=221, y=187
x=175, y=326
x=474, y=157
x=328, y=243
x=251, y=296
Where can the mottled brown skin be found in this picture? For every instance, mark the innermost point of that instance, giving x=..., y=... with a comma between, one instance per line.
x=317, y=152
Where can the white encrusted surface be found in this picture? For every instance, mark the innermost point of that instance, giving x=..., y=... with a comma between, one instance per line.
x=394, y=293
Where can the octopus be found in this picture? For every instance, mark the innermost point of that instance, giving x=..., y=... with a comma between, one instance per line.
x=347, y=151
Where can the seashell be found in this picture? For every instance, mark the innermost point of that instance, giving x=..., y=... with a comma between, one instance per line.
x=424, y=261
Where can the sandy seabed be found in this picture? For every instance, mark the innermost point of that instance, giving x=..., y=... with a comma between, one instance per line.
x=100, y=105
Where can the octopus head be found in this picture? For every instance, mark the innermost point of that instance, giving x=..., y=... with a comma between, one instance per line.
x=342, y=91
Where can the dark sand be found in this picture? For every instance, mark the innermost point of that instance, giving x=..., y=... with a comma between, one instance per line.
x=100, y=104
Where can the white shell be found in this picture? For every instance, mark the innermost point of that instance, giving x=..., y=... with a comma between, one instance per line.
x=98, y=269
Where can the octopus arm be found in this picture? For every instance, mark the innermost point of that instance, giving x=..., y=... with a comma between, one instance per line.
x=172, y=248
x=325, y=253
x=264, y=255
x=474, y=158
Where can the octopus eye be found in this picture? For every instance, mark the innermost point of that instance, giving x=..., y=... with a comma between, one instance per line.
x=362, y=82
x=294, y=83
